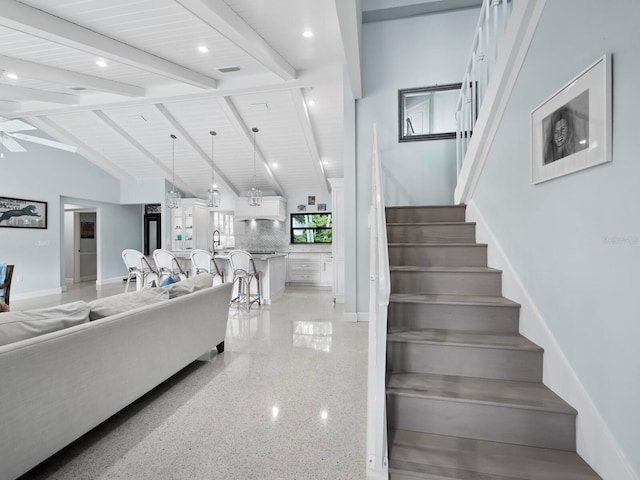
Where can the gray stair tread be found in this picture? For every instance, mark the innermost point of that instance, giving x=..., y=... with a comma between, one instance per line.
x=511, y=393
x=431, y=456
x=391, y=207
x=505, y=340
x=418, y=268
x=427, y=224
x=451, y=299
x=437, y=244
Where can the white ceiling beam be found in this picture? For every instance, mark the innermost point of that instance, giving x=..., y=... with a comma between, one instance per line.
x=168, y=173
x=12, y=92
x=21, y=17
x=247, y=137
x=310, y=138
x=9, y=106
x=350, y=21
x=54, y=130
x=221, y=17
x=306, y=78
x=184, y=135
x=25, y=68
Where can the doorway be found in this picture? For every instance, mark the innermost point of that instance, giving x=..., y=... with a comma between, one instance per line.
x=81, y=252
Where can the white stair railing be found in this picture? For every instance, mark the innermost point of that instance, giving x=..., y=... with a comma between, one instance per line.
x=379, y=291
x=494, y=16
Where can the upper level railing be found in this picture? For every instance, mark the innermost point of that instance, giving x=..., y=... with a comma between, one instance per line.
x=494, y=16
x=379, y=291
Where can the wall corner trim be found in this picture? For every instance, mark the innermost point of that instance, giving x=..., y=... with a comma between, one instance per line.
x=595, y=442
x=515, y=44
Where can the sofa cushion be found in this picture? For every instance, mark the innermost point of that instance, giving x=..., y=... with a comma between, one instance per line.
x=16, y=326
x=190, y=285
x=123, y=302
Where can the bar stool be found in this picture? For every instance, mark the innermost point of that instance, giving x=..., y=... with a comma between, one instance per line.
x=244, y=272
x=138, y=267
x=167, y=265
x=203, y=261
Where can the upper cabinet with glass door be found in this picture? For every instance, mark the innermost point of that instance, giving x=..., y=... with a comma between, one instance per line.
x=189, y=225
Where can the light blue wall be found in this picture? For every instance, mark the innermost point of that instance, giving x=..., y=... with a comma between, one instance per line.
x=397, y=54
x=575, y=241
x=47, y=174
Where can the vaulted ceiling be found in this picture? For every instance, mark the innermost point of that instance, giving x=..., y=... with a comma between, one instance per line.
x=152, y=81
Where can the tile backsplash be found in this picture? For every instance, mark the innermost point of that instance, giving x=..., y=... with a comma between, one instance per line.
x=269, y=235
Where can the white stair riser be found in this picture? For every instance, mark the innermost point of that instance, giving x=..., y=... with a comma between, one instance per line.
x=454, y=283
x=496, y=423
x=454, y=317
x=426, y=214
x=466, y=361
x=433, y=233
x=439, y=255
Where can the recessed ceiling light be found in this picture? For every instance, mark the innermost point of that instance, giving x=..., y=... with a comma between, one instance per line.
x=203, y=49
x=326, y=162
x=215, y=185
x=12, y=76
x=274, y=165
x=101, y=63
x=311, y=103
x=307, y=34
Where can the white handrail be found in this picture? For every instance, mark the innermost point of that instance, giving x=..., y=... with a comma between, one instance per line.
x=379, y=291
x=494, y=16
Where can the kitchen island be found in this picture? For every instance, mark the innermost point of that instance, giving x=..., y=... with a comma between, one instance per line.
x=272, y=267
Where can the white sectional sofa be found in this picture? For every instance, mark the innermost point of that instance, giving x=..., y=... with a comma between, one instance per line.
x=59, y=385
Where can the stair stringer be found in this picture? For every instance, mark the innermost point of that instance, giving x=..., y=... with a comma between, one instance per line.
x=594, y=441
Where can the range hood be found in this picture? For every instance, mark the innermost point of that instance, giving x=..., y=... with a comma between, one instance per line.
x=272, y=208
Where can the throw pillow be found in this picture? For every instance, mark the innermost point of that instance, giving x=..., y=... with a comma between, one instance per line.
x=123, y=302
x=190, y=285
x=16, y=326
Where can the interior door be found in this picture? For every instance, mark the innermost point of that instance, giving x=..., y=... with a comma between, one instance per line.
x=85, y=240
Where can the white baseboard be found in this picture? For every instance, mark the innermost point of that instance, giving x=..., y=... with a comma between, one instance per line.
x=38, y=293
x=110, y=281
x=595, y=442
x=350, y=317
x=363, y=316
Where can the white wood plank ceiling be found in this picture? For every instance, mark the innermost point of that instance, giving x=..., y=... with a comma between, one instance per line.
x=156, y=83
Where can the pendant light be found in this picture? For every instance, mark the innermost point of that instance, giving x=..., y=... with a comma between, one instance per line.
x=255, y=195
x=173, y=196
x=213, y=195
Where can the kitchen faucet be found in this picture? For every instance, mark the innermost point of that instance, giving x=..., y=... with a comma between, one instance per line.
x=214, y=241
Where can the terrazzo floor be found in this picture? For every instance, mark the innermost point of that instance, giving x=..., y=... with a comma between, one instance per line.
x=286, y=400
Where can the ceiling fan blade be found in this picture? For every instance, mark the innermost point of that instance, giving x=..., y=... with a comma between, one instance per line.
x=15, y=126
x=10, y=144
x=44, y=141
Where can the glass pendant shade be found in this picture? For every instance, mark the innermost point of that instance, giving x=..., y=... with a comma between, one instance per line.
x=254, y=196
x=213, y=195
x=173, y=196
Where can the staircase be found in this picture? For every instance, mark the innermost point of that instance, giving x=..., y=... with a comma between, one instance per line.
x=465, y=398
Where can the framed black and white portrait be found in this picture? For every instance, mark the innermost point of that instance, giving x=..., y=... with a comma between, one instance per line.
x=571, y=130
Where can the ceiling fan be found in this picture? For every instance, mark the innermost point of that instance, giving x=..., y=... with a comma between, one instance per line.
x=9, y=132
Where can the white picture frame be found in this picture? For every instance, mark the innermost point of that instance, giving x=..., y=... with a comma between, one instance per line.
x=571, y=130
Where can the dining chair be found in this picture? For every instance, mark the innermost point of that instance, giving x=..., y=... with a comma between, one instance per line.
x=244, y=272
x=138, y=268
x=204, y=261
x=167, y=265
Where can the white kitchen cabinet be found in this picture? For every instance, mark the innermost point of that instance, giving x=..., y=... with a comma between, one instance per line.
x=272, y=208
x=327, y=270
x=315, y=268
x=189, y=225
